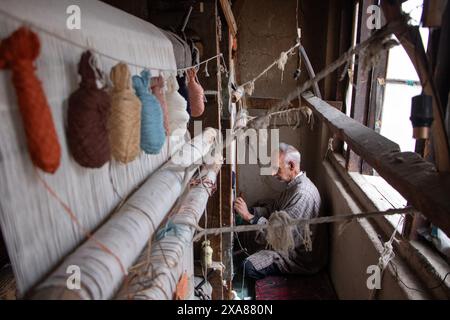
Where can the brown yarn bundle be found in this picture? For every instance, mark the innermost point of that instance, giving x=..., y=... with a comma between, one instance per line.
x=196, y=94
x=125, y=119
x=18, y=53
x=157, y=87
x=88, y=114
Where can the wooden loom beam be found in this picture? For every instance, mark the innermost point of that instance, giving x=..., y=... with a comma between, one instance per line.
x=414, y=178
x=128, y=231
x=160, y=266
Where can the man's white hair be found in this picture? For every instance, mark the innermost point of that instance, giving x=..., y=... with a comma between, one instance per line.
x=290, y=153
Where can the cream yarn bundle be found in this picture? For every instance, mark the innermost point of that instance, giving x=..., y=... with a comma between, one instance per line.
x=125, y=119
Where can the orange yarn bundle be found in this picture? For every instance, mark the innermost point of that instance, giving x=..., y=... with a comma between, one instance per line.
x=196, y=94
x=182, y=288
x=18, y=53
x=157, y=87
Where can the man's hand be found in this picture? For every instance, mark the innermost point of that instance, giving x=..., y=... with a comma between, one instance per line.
x=241, y=208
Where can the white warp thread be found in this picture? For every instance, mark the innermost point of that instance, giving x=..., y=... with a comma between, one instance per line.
x=127, y=232
x=37, y=231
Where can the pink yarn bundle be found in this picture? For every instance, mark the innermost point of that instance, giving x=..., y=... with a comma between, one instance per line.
x=157, y=86
x=196, y=94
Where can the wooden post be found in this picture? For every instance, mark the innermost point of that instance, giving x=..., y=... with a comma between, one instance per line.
x=361, y=94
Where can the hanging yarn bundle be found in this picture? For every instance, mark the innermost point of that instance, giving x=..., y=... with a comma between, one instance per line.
x=207, y=254
x=280, y=235
x=249, y=88
x=183, y=90
x=18, y=53
x=125, y=119
x=158, y=91
x=153, y=134
x=88, y=115
x=281, y=63
x=242, y=118
x=196, y=94
x=238, y=93
x=182, y=288
x=176, y=105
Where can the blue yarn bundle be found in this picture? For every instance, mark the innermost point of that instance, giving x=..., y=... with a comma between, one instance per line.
x=153, y=134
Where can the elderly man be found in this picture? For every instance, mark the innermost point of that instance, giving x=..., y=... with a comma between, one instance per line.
x=300, y=199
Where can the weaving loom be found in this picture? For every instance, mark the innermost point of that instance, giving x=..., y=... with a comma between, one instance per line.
x=37, y=231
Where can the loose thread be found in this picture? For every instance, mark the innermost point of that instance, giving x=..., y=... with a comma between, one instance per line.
x=76, y=221
x=385, y=258
x=275, y=63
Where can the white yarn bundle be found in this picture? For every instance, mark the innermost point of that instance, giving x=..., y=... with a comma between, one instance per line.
x=176, y=105
x=281, y=63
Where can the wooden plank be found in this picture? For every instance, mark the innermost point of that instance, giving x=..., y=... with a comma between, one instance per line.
x=227, y=189
x=376, y=99
x=310, y=70
x=215, y=206
x=416, y=180
x=211, y=118
x=442, y=66
x=432, y=13
x=232, y=25
x=345, y=42
x=361, y=94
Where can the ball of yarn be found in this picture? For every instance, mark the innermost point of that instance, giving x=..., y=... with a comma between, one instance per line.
x=158, y=90
x=88, y=113
x=196, y=94
x=183, y=90
x=153, y=134
x=176, y=107
x=18, y=53
x=125, y=118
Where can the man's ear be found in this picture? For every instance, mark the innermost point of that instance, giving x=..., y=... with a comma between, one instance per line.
x=291, y=165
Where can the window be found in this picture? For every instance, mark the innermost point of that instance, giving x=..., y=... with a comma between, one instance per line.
x=401, y=84
x=384, y=104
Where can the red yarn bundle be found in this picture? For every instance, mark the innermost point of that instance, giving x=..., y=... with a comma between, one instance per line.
x=88, y=113
x=18, y=53
x=196, y=94
x=157, y=87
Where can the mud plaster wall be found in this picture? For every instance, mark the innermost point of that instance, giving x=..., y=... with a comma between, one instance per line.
x=265, y=28
x=352, y=251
